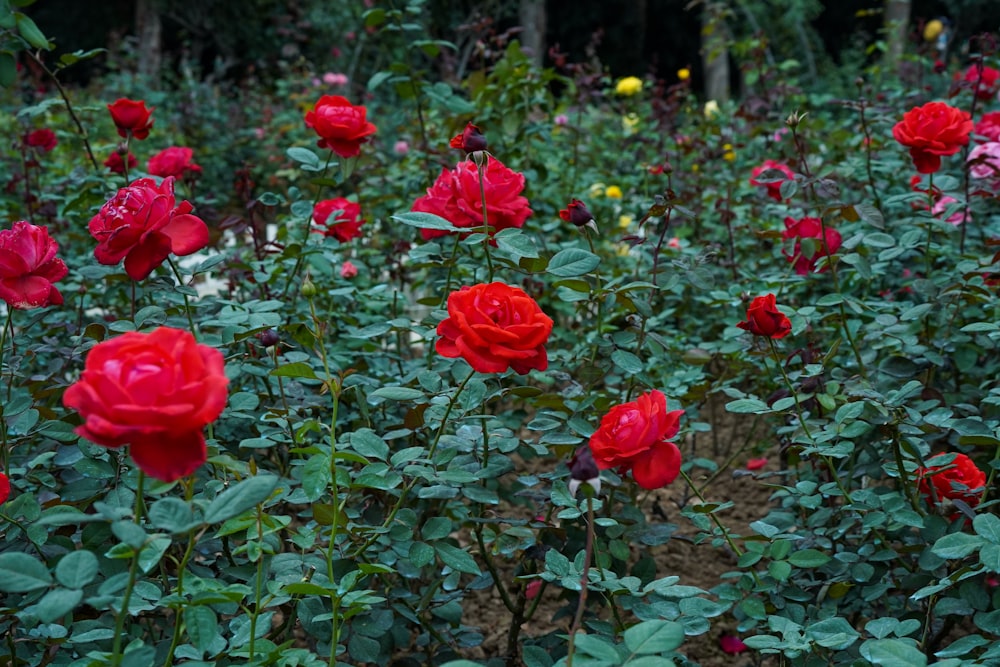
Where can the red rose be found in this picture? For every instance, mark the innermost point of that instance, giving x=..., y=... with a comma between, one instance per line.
x=985, y=77
x=764, y=319
x=143, y=225
x=577, y=213
x=988, y=127
x=958, y=480
x=495, y=327
x=154, y=391
x=341, y=126
x=780, y=172
x=732, y=645
x=175, y=161
x=116, y=164
x=4, y=488
x=635, y=436
x=809, y=228
x=470, y=140
x=29, y=266
x=131, y=117
x=455, y=197
x=933, y=130
x=345, y=225
x=44, y=139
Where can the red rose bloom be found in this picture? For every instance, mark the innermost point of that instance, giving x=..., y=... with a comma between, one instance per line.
x=958, y=480
x=577, y=213
x=635, y=436
x=470, y=140
x=131, y=117
x=986, y=77
x=345, y=225
x=116, y=164
x=495, y=327
x=143, y=225
x=29, y=266
x=988, y=127
x=809, y=228
x=773, y=186
x=455, y=197
x=175, y=161
x=341, y=126
x=732, y=645
x=933, y=130
x=44, y=139
x=764, y=319
x=154, y=391
x=4, y=488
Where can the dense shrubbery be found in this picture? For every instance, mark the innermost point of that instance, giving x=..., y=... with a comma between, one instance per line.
x=271, y=403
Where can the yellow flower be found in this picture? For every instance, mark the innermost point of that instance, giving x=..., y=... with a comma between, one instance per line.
x=684, y=74
x=629, y=123
x=614, y=192
x=695, y=168
x=628, y=86
x=728, y=155
x=624, y=221
x=711, y=109
x=623, y=249
x=932, y=30
x=596, y=190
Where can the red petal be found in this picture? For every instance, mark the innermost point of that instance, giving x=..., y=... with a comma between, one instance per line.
x=170, y=457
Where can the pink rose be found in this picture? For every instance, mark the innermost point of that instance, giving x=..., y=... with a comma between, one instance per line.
x=29, y=266
x=348, y=270
x=984, y=164
x=943, y=204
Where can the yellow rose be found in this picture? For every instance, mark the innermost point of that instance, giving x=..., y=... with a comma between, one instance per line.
x=624, y=221
x=932, y=30
x=684, y=74
x=596, y=190
x=728, y=155
x=628, y=86
x=711, y=109
x=614, y=192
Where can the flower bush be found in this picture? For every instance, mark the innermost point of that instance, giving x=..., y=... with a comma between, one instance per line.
x=439, y=433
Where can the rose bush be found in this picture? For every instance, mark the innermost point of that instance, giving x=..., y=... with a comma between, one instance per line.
x=143, y=224
x=29, y=267
x=455, y=196
x=636, y=436
x=495, y=327
x=155, y=392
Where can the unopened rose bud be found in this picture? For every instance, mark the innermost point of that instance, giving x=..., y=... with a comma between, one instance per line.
x=583, y=470
x=308, y=288
x=577, y=213
x=268, y=338
x=471, y=140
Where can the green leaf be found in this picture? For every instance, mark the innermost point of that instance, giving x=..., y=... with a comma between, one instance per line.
x=304, y=156
x=8, y=70
x=457, y=559
x=627, y=361
x=367, y=443
x=988, y=527
x=654, y=637
x=808, y=558
x=989, y=556
x=76, y=569
x=835, y=633
x=237, y=499
x=20, y=573
x=747, y=406
x=397, y=393
x=573, y=262
x=426, y=221
x=957, y=545
x=30, y=32
x=153, y=552
x=172, y=514
x=202, y=626
x=295, y=370
x=516, y=242
x=893, y=653
x=57, y=603
x=598, y=647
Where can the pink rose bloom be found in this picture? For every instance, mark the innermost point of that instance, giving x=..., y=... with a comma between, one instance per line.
x=401, y=148
x=561, y=119
x=29, y=267
x=984, y=163
x=674, y=243
x=986, y=77
x=348, y=270
x=335, y=79
x=732, y=644
x=773, y=187
x=943, y=204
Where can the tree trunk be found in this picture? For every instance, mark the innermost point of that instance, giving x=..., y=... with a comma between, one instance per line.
x=533, y=20
x=715, y=53
x=148, y=30
x=897, y=19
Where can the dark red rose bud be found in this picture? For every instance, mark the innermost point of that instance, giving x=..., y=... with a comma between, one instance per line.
x=268, y=337
x=471, y=140
x=577, y=213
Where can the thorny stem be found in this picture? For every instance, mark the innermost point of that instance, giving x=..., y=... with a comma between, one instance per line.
x=868, y=153
x=255, y=614
x=116, y=647
x=187, y=303
x=181, y=567
x=7, y=331
x=598, y=289
x=69, y=108
x=584, y=581
x=308, y=228
x=480, y=161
